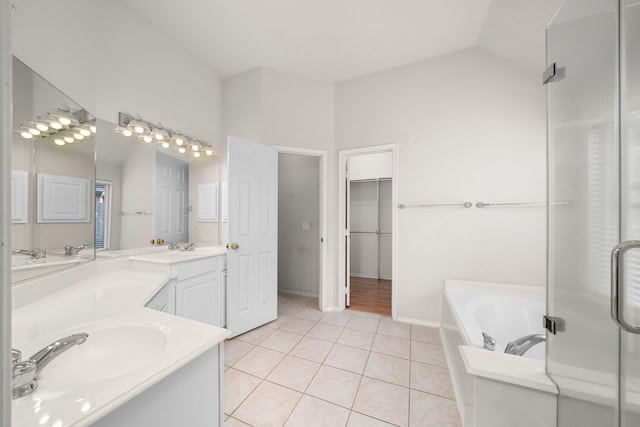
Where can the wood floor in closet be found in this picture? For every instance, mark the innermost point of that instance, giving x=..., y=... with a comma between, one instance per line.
x=371, y=295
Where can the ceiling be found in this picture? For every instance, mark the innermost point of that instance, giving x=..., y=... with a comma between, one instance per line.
x=335, y=40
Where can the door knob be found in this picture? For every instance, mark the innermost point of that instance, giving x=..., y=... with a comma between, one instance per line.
x=234, y=246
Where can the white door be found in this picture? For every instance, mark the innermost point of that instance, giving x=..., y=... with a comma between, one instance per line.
x=347, y=239
x=171, y=190
x=252, y=276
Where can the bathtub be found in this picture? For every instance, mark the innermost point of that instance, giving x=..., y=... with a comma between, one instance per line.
x=493, y=388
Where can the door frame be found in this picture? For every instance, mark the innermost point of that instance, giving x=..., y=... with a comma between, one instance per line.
x=343, y=158
x=322, y=156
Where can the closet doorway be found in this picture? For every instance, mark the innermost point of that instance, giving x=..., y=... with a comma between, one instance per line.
x=367, y=260
x=301, y=222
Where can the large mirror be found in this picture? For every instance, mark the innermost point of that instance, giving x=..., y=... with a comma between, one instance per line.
x=53, y=176
x=148, y=195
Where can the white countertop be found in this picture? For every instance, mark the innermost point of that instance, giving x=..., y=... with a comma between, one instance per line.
x=172, y=257
x=129, y=348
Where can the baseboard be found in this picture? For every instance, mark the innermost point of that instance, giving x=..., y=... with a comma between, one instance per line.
x=364, y=276
x=297, y=292
x=420, y=322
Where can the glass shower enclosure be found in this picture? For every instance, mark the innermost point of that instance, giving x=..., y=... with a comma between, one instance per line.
x=593, y=83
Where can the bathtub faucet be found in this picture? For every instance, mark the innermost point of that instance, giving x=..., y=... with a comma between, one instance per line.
x=489, y=342
x=521, y=345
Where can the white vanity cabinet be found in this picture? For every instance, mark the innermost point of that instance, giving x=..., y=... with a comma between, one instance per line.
x=197, y=287
x=199, y=290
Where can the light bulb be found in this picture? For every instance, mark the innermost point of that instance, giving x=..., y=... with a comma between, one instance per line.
x=138, y=129
x=64, y=121
x=127, y=132
x=93, y=129
x=209, y=153
x=85, y=132
x=34, y=131
x=182, y=150
x=179, y=141
x=42, y=127
x=69, y=139
x=26, y=135
x=165, y=144
x=196, y=154
x=194, y=147
x=78, y=136
x=56, y=125
x=59, y=141
x=159, y=137
x=147, y=138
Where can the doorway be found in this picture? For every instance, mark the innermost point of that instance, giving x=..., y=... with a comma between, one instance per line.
x=367, y=262
x=301, y=222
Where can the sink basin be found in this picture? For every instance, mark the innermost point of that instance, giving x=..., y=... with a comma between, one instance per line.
x=109, y=353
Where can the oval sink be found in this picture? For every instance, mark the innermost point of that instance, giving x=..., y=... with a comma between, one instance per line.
x=107, y=353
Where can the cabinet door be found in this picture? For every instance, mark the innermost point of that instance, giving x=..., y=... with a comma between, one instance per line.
x=198, y=298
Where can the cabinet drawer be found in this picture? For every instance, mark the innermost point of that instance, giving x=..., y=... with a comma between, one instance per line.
x=187, y=270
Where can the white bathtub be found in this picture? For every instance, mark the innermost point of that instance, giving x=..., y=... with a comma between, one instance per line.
x=505, y=317
x=493, y=388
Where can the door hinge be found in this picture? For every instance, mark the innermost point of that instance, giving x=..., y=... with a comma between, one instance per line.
x=549, y=74
x=553, y=324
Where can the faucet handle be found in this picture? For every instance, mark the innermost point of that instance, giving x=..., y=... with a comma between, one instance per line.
x=489, y=342
x=23, y=378
x=16, y=356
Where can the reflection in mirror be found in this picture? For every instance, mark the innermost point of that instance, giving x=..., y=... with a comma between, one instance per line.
x=148, y=195
x=53, y=171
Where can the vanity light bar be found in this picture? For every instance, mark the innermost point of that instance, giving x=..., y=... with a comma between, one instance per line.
x=60, y=126
x=148, y=132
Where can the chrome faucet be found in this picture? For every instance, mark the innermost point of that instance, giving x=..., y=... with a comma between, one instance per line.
x=25, y=373
x=489, y=342
x=521, y=345
x=33, y=253
x=186, y=246
x=73, y=250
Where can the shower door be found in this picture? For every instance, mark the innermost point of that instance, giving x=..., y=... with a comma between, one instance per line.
x=594, y=205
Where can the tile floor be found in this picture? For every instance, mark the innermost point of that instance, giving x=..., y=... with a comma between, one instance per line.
x=354, y=369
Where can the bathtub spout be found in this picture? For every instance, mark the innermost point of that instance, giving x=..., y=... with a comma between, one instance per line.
x=521, y=345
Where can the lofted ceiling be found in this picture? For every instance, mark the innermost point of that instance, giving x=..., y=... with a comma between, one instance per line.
x=335, y=40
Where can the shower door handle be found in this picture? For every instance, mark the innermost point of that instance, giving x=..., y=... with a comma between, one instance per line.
x=618, y=286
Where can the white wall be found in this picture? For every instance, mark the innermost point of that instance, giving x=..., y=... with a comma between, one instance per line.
x=470, y=126
x=108, y=60
x=298, y=205
x=276, y=108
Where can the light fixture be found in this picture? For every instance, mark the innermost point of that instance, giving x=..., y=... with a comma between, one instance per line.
x=60, y=126
x=146, y=131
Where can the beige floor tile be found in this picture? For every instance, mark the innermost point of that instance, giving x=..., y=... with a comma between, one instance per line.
x=312, y=349
x=431, y=379
x=234, y=350
x=425, y=334
x=384, y=401
x=430, y=410
x=395, y=329
x=356, y=338
x=312, y=412
x=256, y=336
x=259, y=362
x=237, y=386
x=359, y=420
x=365, y=314
x=428, y=353
x=338, y=318
x=294, y=373
x=309, y=313
x=323, y=331
x=301, y=299
x=363, y=324
x=388, y=368
x=232, y=422
x=334, y=385
x=290, y=308
x=347, y=358
x=268, y=405
x=283, y=298
x=281, y=341
x=393, y=346
x=281, y=320
x=297, y=326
